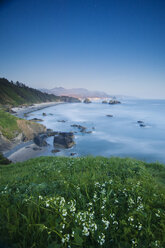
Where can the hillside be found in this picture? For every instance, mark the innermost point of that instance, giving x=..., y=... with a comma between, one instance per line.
x=82, y=202
x=17, y=93
x=76, y=92
x=14, y=130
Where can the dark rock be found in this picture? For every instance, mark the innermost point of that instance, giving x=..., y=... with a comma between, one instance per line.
x=36, y=148
x=114, y=102
x=35, y=119
x=51, y=133
x=87, y=100
x=140, y=122
x=88, y=132
x=109, y=115
x=12, y=111
x=49, y=130
x=4, y=160
x=81, y=128
x=142, y=125
x=93, y=128
x=64, y=140
x=73, y=153
x=44, y=114
x=39, y=140
x=55, y=150
x=104, y=101
x=61, y=121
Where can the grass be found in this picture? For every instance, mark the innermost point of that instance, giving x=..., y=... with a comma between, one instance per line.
x=8, y=124
x=82, y=202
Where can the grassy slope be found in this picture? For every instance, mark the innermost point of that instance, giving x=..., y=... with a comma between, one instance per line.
x=8, y=124
x=82, y=202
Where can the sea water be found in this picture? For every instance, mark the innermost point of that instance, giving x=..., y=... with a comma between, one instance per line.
x=120, y=135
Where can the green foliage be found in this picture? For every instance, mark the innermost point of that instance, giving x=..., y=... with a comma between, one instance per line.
x=8, y=124
x=17, y=94
x=82, y=202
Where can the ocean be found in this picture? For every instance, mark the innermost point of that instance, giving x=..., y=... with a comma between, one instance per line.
x=120, y=135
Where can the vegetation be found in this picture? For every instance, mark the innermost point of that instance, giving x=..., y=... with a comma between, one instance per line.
x=8, y=125
x=17, y=93
x=82, y=202
x=4, y=160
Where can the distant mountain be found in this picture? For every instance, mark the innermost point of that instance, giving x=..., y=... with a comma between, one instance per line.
x=17, y=93
x=76, y=92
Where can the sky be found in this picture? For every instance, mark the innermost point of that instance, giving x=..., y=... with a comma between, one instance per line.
x=116, y=46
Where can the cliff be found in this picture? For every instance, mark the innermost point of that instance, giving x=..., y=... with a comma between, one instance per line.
x=14, y=130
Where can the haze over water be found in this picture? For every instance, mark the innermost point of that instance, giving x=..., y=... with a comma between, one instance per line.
x=119, y=135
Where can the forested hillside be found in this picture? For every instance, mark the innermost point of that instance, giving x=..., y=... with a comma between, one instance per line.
x=18, y=93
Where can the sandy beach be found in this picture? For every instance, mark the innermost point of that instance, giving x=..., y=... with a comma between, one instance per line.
x=27, y=151
x=20, y=111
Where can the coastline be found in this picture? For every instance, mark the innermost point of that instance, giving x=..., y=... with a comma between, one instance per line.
x=27, y=150
x=20, y=111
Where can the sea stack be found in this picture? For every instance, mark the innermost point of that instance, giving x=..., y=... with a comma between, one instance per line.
x=87, y=100
x=114, y=102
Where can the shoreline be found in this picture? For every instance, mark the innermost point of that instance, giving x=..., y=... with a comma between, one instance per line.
x=20, y=111
x=27, y=150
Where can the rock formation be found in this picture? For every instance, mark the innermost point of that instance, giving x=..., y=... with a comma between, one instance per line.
x=64, y=140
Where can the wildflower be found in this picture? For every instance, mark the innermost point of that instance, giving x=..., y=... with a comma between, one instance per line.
x=101, y=240
x=72, y=234
x=85, y=231
x=140, y=227
x=130, y=219
x=140, y=207
x=64, y=212
x=66, y=238
x=112, y=215
x=106, y=222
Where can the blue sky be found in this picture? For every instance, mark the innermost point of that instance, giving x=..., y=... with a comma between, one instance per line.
x=117, y=46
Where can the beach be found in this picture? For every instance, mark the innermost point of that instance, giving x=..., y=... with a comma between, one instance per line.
x=20, y=111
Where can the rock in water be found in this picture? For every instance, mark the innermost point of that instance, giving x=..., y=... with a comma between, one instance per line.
x=64, y=140
x=114, y=102
x=142, y=125
x=140, y=122
x=109, y=115
x=81, y=128
x=87, y=100
x=55, y=150
x=39, y=140
x=35, y=119
x=72, y=153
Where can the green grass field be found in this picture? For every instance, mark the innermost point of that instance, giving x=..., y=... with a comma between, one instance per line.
x=82, y=202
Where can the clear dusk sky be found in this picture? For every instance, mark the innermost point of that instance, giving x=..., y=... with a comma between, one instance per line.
x=116, y=46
